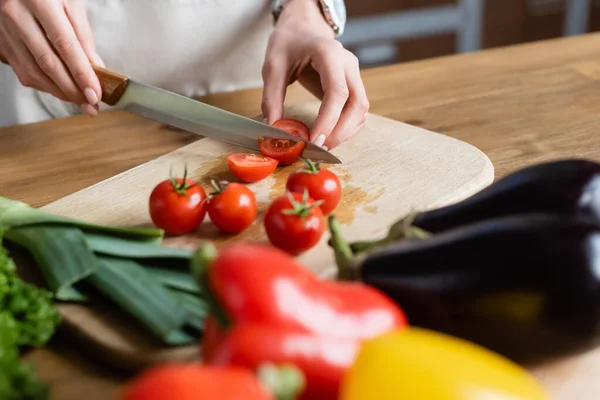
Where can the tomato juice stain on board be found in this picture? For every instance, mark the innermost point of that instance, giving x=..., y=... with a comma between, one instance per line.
x=371, y=209
x=352, y=198
x=216, y=169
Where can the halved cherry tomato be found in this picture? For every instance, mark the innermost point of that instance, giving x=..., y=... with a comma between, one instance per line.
x=294, y=222
x=251, y=167
x=285, y=151
x=232, y=208
x=321, y=184
x=177, y=206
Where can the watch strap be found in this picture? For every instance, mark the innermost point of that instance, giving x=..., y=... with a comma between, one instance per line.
x=334, y=12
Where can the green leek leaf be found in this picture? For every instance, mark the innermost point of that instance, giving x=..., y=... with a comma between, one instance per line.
x=180, y=337
x=129, y=248
x=179, y=280
x=62, y=255
x=15, y=214
x=131, y=287
x=196, y=307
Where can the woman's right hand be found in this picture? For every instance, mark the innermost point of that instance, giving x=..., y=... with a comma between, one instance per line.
x=49, y=45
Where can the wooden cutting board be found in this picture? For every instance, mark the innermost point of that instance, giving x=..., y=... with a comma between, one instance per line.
x=389, y=169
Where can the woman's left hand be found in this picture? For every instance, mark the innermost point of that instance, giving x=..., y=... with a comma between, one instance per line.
x=302, y=39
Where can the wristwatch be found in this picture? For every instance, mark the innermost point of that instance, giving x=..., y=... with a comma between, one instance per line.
x=334, y=12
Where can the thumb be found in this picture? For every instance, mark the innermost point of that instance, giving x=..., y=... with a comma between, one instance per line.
x=274, y=90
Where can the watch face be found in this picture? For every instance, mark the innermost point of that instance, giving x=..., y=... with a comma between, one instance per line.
x=339, y=8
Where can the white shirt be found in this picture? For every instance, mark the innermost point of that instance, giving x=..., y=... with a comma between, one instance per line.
x=191, y=47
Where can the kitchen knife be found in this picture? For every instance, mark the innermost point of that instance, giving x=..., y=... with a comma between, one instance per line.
x=194, y=116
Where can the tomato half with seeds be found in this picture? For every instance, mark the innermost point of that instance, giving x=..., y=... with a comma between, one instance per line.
x=285, y=151
x=321, y=184
x=232, y=207
x=294, y=222
x=177, y=206
x=251, y=168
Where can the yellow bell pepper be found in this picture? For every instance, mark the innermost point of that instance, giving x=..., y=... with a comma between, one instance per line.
x=419, y=364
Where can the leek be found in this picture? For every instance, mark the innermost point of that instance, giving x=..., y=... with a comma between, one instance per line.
x=127, y=267
x=196, y=307
x=14, y=214
x=129, y=248
x=179, y=280
x=62, y=255
x=128, y=284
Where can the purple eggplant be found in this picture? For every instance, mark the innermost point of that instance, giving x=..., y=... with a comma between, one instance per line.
x=565, y=187
x=523, y=285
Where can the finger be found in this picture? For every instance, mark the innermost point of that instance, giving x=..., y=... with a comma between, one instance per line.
x=336, y=93
x=5, y=50
x=24, y=25
x=275, y=80
x=26, y=69
x=356, y=108
x=62, y=36
x=77, y=15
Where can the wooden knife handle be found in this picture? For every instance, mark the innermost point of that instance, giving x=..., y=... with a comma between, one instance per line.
x=112, y=83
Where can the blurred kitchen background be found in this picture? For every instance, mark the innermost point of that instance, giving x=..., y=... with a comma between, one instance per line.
x=380, y=32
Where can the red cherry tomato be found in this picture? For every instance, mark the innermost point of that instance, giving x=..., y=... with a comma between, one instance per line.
x=251, y=167
x=232, y=208
x=321, y=184
x=285, y=151
x=178, y=206
x=294, y=222
x=179, y=381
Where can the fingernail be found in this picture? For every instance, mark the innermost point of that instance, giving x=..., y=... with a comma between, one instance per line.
x=89, y=110
x=320, y=140
x=265, y=120
x=91, y=96
x=325, y=147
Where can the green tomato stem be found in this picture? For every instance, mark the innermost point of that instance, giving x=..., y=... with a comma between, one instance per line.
x=348, y=268
x=311, y=167
x=301, y=210
x=200, y=268
x=285, y=382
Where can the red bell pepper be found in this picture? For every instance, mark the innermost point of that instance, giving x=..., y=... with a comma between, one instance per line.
x=266, y=307
x=322, y=360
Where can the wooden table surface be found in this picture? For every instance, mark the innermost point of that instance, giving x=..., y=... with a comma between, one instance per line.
x=520, y=105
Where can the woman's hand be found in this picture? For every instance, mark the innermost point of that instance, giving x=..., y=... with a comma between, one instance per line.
x=302, y=39
x=49, y=45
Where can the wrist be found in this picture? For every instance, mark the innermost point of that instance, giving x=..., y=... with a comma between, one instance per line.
x=305, y=16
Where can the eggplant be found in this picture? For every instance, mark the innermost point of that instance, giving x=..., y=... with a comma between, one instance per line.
x=565, y=187
x=526, y=286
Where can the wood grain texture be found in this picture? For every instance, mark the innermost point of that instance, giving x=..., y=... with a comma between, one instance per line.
x=388, y=169
x=519, y=105
x=112, y=83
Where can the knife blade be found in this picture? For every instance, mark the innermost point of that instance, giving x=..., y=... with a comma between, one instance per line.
x=194, y=116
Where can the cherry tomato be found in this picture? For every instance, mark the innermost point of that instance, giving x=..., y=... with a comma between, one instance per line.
x=232, y=208
x=182, y=381
x=285, y=151
x=321, y=184
x=177, y=206
x=251, y=167
x=294, y=222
